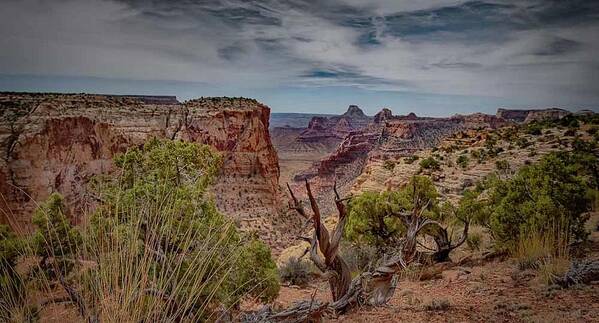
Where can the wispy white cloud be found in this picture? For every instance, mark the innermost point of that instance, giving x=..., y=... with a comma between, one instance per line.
x=494, y=49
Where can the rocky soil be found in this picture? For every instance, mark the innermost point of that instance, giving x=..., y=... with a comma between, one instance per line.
x=472, y=289
x=452, y=178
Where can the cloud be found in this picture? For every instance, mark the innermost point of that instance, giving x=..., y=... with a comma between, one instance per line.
x=538, y=49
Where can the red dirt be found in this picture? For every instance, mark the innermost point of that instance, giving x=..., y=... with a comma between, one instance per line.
x=494, y=292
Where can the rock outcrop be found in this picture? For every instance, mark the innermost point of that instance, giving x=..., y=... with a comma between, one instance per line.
x=383, y=116
x=56, y=142
x=354, y=112
x=324, y=128
x=546, y=114
x=480, y=120
x=584, y=112
x=512, y=115
x=531, y=115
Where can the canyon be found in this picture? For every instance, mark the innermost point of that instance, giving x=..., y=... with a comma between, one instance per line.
x=340, y=149
x=381, y=137
x=60, y=142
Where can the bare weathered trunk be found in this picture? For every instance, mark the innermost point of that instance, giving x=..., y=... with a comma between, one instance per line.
x=333, y=265
x=444, y=242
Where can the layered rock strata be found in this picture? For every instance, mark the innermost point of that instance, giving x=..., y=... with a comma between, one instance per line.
x=58, y=142
x=387, y=137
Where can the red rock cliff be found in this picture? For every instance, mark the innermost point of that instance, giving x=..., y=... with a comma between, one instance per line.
x=52, y=142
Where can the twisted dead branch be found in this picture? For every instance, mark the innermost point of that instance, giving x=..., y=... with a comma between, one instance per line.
x=443, y=241
x=333, y=265
x=373, y=288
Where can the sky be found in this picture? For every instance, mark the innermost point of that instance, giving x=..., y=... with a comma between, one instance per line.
x=431, y=57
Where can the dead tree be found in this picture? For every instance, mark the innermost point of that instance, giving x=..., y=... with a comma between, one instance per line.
x=335, y=268
x=443, y=240
x=374, y=287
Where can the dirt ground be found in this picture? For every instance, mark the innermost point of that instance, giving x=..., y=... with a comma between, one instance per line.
x=495, y=291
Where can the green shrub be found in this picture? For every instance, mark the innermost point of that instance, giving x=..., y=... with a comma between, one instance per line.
x=258, y=274
x=569, y=121
x=502, y=165
x=493, y=152
x=480, y=155
x=411, y=159
x=430, y=163
x=490, y=142
x=371, y=218
x=539, y=196
x=389, y=165
x=523, y=143
x=463, y=161
x=534, y=129
x=12, y=287
x=11, y=247
x=55, y=238
x=472, y=207
x=474, y=241
x=296, y=272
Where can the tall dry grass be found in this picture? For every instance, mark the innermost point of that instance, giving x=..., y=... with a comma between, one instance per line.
x=155, y=249
x=547, y=251
x=117, y=276
x=130, y=280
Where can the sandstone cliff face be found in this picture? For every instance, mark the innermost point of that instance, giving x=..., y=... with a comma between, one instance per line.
x=546, y=114
x=59, y=142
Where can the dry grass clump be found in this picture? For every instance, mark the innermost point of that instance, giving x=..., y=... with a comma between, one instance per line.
x=553, y=268
x=131, y=281
x=412, y=273
x=296, y=272
x=474, y=241
x=548, y=253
